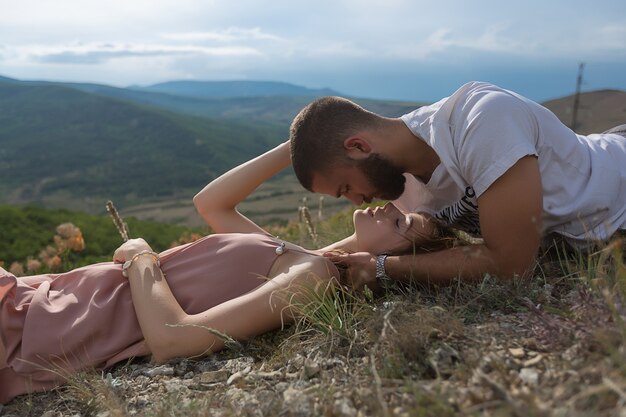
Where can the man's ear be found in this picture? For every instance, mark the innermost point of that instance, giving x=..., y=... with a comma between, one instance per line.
x=357, y=148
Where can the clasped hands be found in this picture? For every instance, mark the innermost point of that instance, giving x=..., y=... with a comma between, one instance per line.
x=361, y=269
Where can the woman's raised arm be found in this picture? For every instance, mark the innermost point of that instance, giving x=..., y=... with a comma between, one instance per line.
x=217, y=202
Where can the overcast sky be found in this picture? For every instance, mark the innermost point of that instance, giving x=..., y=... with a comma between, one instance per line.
x=396, y=49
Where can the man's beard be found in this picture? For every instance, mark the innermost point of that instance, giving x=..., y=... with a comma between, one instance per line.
x=385, y=177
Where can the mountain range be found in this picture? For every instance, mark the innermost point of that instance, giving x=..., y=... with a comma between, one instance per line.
x=74, y=145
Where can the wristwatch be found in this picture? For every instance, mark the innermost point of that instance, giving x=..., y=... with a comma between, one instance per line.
x=381, y=274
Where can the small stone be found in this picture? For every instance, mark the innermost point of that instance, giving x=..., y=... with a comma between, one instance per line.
x=532, y=362
x=311, y=368
x=162, y=370
x=173, y=385
x=214, y=376
x=530, y=376
x=238, y=364
x=517, y=352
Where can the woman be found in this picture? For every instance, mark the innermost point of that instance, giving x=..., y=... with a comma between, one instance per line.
x=238, y=282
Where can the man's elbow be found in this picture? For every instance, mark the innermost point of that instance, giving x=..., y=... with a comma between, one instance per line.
x=516, y=268
x=197, y=202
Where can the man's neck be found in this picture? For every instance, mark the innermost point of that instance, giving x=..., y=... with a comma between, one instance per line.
x=411, y=152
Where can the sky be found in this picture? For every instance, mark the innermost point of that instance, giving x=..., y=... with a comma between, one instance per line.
x=387, y=49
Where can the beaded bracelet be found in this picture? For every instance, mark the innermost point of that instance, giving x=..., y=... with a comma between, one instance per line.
x=128, y=263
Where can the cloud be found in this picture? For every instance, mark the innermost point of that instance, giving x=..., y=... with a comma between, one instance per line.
x=443, y=41
x=232, y=34
x=96, y=53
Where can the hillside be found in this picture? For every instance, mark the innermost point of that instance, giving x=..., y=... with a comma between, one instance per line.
x=597, y=111
x=65, y=147
x=76, y=145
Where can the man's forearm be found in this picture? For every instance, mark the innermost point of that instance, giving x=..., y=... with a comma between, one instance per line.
x=469, y=263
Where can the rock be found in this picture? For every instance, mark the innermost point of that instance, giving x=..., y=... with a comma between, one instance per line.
x=532, y=362
x=296, y=363
x=310, y=369
x=530, y=376
x=517, y=353
x=238, y=364
x=214, y=376
x=174, y=385
x=163, y=370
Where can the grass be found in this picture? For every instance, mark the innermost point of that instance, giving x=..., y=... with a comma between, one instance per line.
x=551, y=345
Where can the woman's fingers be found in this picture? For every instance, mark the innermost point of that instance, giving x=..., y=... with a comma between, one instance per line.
x=129, y=248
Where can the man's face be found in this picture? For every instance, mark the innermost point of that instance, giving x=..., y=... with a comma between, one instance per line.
x=369, y=178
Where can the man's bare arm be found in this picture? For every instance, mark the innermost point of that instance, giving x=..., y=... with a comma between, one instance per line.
x=510, y=220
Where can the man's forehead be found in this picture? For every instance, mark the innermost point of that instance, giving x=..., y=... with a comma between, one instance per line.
x=326, y=184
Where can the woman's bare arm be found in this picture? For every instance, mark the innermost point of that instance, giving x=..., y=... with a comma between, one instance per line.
x=217, y=202
x=170, y=332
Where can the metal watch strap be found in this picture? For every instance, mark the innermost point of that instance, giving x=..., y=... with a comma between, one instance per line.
x=381, y=274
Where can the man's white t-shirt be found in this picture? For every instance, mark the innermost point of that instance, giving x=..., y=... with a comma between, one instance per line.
x=481, y=131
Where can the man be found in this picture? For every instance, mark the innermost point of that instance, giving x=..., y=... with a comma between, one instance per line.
x=488, y=161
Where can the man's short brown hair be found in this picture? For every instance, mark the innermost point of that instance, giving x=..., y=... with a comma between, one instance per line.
x=317, y=134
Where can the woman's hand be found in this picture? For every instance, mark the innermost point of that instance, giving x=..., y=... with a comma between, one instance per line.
x=129, y=249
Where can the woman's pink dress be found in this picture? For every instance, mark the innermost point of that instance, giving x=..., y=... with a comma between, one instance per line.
x=52, y=325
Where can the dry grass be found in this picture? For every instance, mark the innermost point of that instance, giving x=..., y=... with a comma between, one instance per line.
x=553, y=345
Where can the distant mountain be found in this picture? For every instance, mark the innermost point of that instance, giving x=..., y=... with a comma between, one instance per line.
x=273, y=110
x=221, y=89
x=65, y=147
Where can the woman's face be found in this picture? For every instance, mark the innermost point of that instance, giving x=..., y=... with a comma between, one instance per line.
x=386, y=229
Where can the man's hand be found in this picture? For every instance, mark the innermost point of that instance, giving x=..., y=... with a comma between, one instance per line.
x=361, y=269
x=129, y=249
